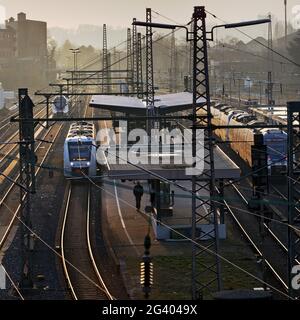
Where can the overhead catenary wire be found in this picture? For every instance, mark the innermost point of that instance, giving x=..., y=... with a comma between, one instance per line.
x=125, y=57
x=148, y=215
x=54, y=251
x=196, y=243
x=179, y=233
x=260, y=43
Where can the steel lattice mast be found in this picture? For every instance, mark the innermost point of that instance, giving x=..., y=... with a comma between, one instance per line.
x=129, y=60
x=149, y=73
x=134, y=57
x=105, y=61
x=149, y=61
x=27, y=180
x=205, y=261
x=293, y=176
x=140, y=84
x=270, y=65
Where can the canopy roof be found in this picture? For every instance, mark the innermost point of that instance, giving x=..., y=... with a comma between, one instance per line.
x=167, y=103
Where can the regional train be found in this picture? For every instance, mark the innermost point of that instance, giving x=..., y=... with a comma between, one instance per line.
x=80, y=150
x=241, y=140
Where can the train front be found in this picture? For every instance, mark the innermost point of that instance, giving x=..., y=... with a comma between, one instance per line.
x=80, y=153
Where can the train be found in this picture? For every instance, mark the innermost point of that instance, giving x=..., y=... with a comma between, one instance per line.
x=60, y=104
x=80, y=150
x=241, y=140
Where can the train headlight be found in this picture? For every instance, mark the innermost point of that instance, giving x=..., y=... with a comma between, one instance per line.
x=72, y=164
x=88, y=164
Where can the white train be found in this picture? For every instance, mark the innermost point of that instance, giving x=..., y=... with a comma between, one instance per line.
x=80, y=150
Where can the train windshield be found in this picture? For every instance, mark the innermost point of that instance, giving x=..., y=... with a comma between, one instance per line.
x=277, y=150
x=80, y=151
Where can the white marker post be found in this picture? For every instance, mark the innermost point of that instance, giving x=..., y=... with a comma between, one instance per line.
x=2, y=278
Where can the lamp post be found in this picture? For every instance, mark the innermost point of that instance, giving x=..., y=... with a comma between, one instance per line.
x=75, y=53
x=285, y=21
x=201, y=282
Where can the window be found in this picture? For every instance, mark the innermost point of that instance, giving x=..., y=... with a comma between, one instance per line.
x=80, y=151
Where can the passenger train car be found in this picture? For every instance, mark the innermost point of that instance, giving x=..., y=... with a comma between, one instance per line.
x=241, y=140
x=80, y=150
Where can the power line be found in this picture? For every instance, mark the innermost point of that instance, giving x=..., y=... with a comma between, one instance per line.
x=252, y=54
x=260, y=43
x=191, y=240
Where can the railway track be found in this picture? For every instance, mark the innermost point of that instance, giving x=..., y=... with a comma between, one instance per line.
x=81, y=272
x=10, y=200
x=8, y=152
x=276, y=264
x=5, y=123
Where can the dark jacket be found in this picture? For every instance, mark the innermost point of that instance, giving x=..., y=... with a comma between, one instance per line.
x=138, y=190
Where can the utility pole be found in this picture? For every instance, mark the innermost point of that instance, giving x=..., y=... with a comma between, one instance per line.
x=239, y=84
x=205, y=265
x=173, y=63
x=27, y=179
x=47, y=97
x=75, y=66
x=109, y=73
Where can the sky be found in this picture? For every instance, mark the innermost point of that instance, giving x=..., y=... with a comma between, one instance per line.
x=119, y=13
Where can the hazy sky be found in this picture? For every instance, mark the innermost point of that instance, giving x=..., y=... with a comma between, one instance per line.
x=71, y=13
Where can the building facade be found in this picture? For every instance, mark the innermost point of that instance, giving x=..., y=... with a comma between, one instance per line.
x=23, y=53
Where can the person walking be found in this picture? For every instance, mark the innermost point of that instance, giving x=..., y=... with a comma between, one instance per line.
x=138, y=192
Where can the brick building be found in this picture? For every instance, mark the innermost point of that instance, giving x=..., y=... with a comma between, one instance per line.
x=23, y=53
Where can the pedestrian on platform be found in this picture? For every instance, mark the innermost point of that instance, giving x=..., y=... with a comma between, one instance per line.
x=138, y=192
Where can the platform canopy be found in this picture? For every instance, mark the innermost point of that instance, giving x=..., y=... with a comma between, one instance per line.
x=164, y=104
x=225, y=168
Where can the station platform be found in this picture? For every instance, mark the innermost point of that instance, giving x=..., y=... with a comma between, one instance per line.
x=225, y=168
x=175, y=209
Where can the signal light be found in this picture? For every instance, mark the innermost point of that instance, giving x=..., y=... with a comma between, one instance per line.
x=146, y=274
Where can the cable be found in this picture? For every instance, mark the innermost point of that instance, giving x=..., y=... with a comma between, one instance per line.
x=54, y=251
x=124, y=58
x=165, y=17
x=224, y=259
x=252, y=54
x=13, y=283
x=196, y=195
x=262, y=44
x=194, y=242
